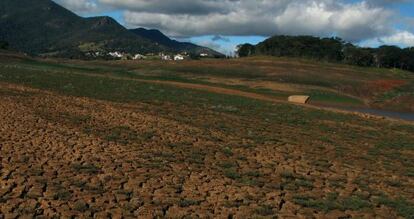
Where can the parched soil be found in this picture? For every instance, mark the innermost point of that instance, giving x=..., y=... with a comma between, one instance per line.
x=66, y=157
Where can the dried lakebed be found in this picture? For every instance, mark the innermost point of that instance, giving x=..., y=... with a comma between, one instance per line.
x=64, y=156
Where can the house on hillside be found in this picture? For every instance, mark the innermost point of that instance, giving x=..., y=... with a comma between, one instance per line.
x=178, y=57
x=203, y=55
x=165, y=57
x=116, y=54
x=138, y=57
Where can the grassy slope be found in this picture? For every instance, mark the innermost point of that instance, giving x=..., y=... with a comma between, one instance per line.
x=384, y=155
x=328, y=84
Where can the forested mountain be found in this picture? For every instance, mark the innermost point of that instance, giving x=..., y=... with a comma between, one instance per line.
x=333, y=50
x=43, y=27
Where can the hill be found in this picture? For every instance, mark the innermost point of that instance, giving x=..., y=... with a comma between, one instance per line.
x=153, y=139
x=43, y=27
x=332, y=50
x=160, y=38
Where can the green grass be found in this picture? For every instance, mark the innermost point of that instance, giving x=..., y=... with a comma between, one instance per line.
x=333, y=202
x=394, y=183
x=330, y=97
x=307, y=80
x=86, y=168
x=410, y=172
x=203, y=70
x=403, y=207
x=75, y=83
x=227, y=151
x=398, y=143
x=196, y=157
x=229, y=170
x=232, y=174
x=304, y=183
x=188, y=202
x=60, y=192
x=117, y=134
x=132, y=91
x=265, y=210
x=288, y=175
x=337, y=184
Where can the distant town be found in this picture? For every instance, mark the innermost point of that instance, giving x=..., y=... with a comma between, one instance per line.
x=151, y=56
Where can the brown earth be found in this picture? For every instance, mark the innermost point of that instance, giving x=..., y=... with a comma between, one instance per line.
x=69, y=157
x=66, y=157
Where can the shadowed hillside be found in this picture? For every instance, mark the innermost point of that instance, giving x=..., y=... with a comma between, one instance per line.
x=43, y=27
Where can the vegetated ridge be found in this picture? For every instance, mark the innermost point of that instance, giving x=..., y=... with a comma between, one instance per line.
x=333, y=50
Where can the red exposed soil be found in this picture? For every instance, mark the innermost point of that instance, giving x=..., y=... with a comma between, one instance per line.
x=386, y=85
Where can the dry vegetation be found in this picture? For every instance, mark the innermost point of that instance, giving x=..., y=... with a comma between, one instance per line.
x=328, y=84
x=85, y=140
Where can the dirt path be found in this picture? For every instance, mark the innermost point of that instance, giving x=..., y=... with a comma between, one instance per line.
x=234, y=92
x=201, y=87
x=214, y=89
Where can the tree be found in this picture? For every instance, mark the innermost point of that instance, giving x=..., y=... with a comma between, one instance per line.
x=245, y=50
x=4, y=45
x=332, y=50
x=407, y=59
x=389, y=57
x=358, y=56
x=329, y=49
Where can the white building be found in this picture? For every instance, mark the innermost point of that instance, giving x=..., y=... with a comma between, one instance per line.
x=203, y=55
x=116, y=54
x=138, y=56
x=166, y=57
x=178, y=57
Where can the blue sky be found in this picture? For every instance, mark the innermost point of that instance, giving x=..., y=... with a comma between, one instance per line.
x=222, y=25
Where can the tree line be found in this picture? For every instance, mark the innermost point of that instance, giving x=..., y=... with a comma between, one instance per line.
x=332, y=50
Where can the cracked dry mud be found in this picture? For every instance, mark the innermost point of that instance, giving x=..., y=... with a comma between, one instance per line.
x=65, y=157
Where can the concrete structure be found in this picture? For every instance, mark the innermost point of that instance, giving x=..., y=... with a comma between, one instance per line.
x=299, y=99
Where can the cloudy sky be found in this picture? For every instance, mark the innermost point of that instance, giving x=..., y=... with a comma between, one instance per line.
x=223, y=24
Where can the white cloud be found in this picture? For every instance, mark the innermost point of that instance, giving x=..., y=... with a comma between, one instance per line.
x=401, y=38
x=301, y=18
x=352, y=21
x=79, y=6
x=360, y=21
